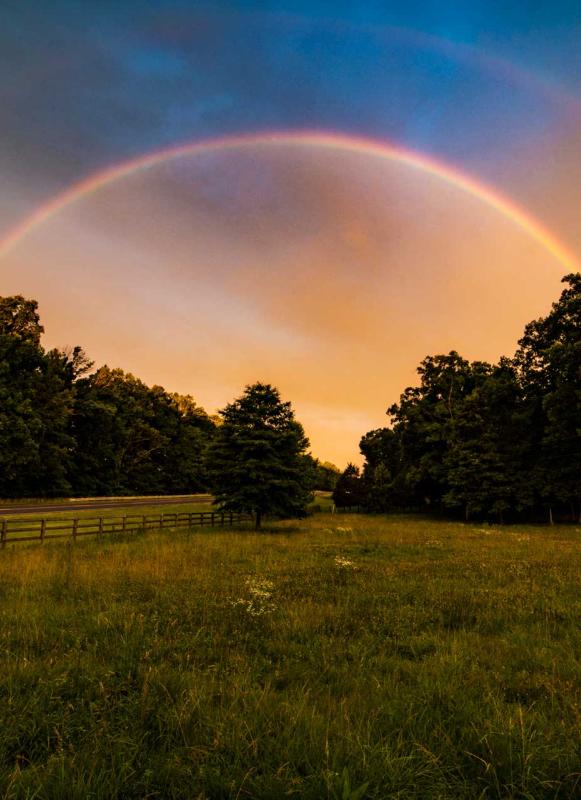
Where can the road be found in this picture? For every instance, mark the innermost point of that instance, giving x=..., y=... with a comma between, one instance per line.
x=96, y=503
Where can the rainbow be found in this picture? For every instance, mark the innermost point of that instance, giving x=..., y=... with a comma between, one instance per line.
x=328, y=141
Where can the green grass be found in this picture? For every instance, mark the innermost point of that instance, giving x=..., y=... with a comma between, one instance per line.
x=117, y=511
x=343, y=657
x=322, y=502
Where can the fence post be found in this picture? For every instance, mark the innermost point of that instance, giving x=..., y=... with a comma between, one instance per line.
x=124, y=524
x=144, y=522
x=231, y=519
x=3, y=534
x=100, y=526
x=75, y=525
x=212, y=519
x=42, y=529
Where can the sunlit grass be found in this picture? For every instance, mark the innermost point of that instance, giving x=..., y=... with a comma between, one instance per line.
x=344, y=656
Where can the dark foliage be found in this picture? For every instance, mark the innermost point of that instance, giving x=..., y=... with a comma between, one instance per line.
x=258, y=461
x=326, y=475
x=489, y=440
x=65, y=431
x=348, y=490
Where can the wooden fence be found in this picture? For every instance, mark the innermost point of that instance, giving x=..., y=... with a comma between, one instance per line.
x=15, y=531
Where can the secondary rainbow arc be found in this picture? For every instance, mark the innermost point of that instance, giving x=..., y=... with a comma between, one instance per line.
x=332, y=141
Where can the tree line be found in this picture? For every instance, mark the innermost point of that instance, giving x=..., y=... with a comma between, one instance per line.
x=70, y=429
x=498, y=441
x=474, y=439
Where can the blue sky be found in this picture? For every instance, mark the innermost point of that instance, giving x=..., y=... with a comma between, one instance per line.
x=91, y=82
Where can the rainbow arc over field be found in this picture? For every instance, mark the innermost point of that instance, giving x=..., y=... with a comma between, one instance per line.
x=313, y=139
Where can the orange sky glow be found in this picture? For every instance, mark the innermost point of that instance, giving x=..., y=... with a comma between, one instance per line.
x=327, y=272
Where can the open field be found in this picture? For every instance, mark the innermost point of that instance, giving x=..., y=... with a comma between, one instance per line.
x=117, y=506
x=72, y=505
x=344, y=657
x=125, y=513
x=116, y=512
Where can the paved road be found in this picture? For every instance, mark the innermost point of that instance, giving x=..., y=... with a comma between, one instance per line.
x=96, y=503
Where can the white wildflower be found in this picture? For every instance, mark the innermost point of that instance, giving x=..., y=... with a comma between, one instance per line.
x=343, y=563
x=260, y=600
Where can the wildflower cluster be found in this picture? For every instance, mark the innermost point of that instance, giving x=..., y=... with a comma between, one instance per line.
x=259, y=601
x=344, y=563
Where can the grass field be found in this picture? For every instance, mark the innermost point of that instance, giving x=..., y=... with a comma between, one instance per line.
x=117, y=511
x=343, y=657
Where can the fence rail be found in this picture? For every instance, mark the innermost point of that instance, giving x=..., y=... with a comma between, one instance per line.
x=15, y=531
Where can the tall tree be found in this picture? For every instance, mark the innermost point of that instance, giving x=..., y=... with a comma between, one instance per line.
x=35, y=407
x=486, y=462
x=425, y=423
x=382, y=470
x=19, y=319
x=188, y=431
x=118, y=435
x=258, y=461
x=549, y=364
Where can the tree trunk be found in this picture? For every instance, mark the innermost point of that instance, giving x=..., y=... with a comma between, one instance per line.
x=258, y=520
x=551, y=515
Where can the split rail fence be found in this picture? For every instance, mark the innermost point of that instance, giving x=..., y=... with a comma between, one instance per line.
x=15, y=531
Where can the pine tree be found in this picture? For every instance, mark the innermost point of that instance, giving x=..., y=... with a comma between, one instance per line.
x=349, y=488
x=258, y=462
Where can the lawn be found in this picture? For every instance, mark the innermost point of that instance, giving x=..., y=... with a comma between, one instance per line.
x=347, y=656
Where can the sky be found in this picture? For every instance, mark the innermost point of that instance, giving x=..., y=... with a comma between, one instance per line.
x=327, y=271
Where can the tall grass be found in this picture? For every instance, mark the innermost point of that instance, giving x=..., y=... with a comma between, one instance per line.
x=344, y=657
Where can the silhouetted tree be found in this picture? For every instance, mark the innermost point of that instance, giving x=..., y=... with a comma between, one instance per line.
x=488, y=439
x=549, y=365
x=257, y=462
x=349, y=488
x=35, y=407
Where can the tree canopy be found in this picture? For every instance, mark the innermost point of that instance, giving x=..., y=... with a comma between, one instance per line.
x=348, y=491
x=471, y=438
x=488, y=439
x=66, y=429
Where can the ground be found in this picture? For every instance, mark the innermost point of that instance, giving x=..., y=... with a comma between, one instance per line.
x=345, y=656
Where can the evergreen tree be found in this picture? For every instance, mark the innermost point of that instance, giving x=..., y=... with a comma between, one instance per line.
x=258, y=462
x=349, y=488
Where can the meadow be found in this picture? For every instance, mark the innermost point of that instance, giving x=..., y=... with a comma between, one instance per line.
x=345, y=656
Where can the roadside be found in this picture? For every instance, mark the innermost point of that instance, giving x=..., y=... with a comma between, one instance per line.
x=9, y=508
